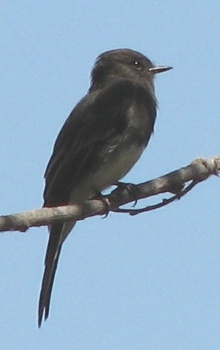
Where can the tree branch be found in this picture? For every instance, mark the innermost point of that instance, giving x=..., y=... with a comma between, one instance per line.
x=174, y=182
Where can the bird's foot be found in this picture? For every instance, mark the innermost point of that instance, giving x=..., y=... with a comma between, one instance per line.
x=105, y=201
x=130, y=188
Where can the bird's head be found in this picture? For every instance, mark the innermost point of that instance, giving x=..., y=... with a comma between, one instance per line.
x=124, y=64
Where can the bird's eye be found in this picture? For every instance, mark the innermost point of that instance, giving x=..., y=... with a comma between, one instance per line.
x=138, y=65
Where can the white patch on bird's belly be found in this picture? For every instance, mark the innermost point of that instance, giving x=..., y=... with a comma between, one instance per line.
x=107, y=174
x=117, y=167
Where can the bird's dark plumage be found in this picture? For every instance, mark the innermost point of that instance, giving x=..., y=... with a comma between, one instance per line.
x=99, y=143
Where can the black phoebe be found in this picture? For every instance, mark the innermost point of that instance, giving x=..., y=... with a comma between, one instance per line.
x=99, y=143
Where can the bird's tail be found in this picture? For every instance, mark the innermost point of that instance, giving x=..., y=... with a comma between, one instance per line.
x=58, y=233
x=51, y=261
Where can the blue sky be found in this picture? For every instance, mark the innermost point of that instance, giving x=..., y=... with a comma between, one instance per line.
x=146, y=282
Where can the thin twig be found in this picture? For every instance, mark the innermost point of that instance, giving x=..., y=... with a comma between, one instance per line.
x=164, y=202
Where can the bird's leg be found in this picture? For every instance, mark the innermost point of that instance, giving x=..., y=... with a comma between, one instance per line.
x=105, y=201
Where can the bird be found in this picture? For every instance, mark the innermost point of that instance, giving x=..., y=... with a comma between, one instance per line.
x=101, y=140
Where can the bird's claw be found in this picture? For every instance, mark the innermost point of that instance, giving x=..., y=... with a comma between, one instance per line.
x=130, y=188
x=105, y=201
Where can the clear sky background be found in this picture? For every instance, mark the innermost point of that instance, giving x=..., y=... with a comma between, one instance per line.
x=123, y=283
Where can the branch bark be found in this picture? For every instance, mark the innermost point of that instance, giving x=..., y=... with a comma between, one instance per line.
x=173, y=182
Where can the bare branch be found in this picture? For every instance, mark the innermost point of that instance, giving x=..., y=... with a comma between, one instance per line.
x=174, y=182
x=164, y=202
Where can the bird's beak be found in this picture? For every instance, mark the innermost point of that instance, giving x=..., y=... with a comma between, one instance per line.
x=159, y=69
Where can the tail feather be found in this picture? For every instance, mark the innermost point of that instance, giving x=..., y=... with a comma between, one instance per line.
x=58, y=234
x=51, y=261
